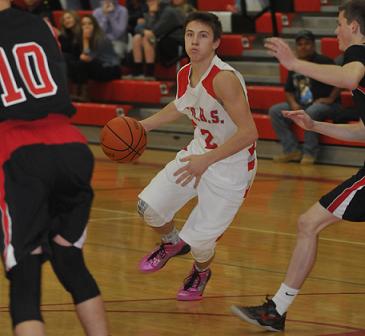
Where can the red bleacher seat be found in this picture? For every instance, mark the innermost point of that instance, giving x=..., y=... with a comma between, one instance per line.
x=264, y=23
x=329, y=47
x=56, y=15
x=283, y=74
x=264, y=127
x=138, y=91
x=169, y=73
x=216, y=5
x=263, y=97
x=346, y=99
x=94, y=114
x=307, y=5
x=231, y=45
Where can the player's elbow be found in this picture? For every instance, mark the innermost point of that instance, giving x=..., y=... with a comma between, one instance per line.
x=351, y=83
x=250, y=134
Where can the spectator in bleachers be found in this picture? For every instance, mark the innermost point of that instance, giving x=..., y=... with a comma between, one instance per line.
x=94, y=57
x=162, y=19
x=183, y=6
x=170, y=47
x=42, y=8
x=70, y=29
x=77, y=4
x=136, y=11
x=319, y=100
x=113, y=20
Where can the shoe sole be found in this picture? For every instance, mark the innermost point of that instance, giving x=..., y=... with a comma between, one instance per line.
x=184, y=250
x=236, y=311
x=180, y=298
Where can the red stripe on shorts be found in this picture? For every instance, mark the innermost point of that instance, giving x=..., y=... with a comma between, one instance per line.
x=340, y=198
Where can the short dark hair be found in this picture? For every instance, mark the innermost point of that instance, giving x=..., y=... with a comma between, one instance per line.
x=209, y=19
x=305, y=34
x=354, y=10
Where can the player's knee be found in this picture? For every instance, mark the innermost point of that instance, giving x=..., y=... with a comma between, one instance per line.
x=307, y=226
x=150, y=216
x=202, y=255
x=69, y=265
x=25, y=292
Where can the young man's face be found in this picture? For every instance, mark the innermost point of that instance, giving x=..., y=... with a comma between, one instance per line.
x=199, y=42
x=343, y=32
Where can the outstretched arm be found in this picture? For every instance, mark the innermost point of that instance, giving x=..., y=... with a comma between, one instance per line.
x=167, y=114
x=347, y=76
x=347, y=132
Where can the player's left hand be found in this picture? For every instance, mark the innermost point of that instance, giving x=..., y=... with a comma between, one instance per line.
x=301, y=118
x=195, y=167
x=281, y=50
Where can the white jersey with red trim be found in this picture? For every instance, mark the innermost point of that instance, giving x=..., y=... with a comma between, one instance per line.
x=213, y=125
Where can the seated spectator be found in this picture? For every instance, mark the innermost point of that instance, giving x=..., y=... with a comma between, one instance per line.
x=170, y=46
x=70, y=29
x=183, y=6
x=94, y=57
x=77, y=4
x=160, y=20
x=319, y=100
x=136, y=11
x=113, y=20
x=41, y=8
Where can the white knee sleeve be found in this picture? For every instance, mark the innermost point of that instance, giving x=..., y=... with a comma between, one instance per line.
x=150, y=216
x=202, y=256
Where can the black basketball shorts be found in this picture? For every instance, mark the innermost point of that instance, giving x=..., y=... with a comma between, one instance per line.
x=45, y=174
x=347, y=200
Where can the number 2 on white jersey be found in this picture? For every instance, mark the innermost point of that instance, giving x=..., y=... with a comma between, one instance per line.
x=209, y=144
x=38, y=81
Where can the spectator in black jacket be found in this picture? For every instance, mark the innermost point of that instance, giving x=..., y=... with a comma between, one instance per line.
x=70, y=30
x=42, y=8
x=136, y=11
x=161, y=20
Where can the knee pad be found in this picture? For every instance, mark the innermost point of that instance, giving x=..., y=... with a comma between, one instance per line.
x=150, y=216
x=25, y=290
x=69, y=266
x=202, y=256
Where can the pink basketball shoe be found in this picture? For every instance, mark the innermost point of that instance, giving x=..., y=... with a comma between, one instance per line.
x=157, y=259
x=194, y=285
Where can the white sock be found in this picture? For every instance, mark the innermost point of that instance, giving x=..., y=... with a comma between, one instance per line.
x=171, y=237
x=284, y=298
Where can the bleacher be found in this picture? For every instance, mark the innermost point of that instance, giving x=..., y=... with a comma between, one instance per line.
x=244, y=50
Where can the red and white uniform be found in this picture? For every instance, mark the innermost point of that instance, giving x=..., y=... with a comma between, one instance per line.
x=224, y=185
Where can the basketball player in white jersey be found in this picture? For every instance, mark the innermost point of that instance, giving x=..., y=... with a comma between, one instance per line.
x=217, y=167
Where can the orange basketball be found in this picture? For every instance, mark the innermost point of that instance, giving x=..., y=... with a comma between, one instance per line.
x=123, y=139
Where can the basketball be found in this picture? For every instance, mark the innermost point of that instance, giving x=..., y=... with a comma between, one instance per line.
x=123, y=139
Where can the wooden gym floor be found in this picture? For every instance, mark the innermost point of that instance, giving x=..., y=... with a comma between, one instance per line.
x=250, y=262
